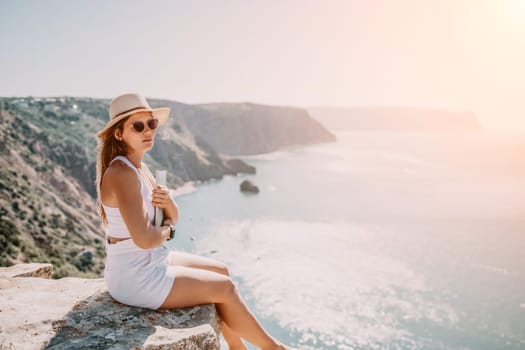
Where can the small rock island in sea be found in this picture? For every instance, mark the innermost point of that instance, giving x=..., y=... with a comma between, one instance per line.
x=248, y=186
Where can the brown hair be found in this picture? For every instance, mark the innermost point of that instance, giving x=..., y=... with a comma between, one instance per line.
x=108, y=148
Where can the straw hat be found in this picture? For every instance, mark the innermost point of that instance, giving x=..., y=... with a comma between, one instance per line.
x=128, y=104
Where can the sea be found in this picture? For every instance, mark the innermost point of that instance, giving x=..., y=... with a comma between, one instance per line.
x=380, y=240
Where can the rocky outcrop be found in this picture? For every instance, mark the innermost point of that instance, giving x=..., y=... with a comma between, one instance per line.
x=248, y=186
x=27, y=270
x=79, y=313
x=246, y=128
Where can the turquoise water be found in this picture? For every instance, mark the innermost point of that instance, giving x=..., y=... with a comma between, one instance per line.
x=379, y=241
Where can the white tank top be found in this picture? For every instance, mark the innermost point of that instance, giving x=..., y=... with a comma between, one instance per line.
x=116, y=226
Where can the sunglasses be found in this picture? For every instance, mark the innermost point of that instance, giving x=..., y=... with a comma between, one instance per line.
x=152, y=124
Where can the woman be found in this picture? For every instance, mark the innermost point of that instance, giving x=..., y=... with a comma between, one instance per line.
x=140, y=270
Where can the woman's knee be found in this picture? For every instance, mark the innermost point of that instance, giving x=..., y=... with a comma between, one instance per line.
x=229, y=289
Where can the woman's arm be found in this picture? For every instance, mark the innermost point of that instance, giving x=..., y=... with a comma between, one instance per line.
x=126, y=188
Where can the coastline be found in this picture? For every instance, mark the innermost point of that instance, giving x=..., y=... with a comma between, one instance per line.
x=250, y=234
x=186, y=188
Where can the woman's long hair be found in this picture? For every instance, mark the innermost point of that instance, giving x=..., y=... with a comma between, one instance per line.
x=108, y=148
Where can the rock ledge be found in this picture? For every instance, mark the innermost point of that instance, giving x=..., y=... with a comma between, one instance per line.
x=79, y=313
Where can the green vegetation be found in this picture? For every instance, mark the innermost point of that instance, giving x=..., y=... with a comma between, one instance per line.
x=9, y=241
x=44, y=157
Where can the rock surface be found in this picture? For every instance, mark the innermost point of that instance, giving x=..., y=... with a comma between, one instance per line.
x=248, y=186
x=27, y=270
x=79, y=313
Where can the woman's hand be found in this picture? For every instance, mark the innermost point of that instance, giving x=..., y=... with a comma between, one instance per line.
x=161, y=197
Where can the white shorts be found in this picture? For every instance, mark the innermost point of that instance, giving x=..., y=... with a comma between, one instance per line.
x=136, y=276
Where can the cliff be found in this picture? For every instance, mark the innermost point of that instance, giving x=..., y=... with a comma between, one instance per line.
x=395, y=119
x=78, y=313
x=246, y=128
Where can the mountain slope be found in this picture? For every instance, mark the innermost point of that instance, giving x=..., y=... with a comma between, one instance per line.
x=247, y=128
x=46, y=214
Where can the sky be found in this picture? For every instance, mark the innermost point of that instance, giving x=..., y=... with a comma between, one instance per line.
x=466, y=55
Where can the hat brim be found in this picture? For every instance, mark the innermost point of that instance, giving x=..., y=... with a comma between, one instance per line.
x=161, y=114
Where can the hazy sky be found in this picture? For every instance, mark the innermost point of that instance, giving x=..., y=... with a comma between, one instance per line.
x=450, y=54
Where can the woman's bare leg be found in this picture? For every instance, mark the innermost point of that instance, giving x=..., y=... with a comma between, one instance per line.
x=233, y=340
x=199, y=262
x=196, y=286
x=177, y=258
